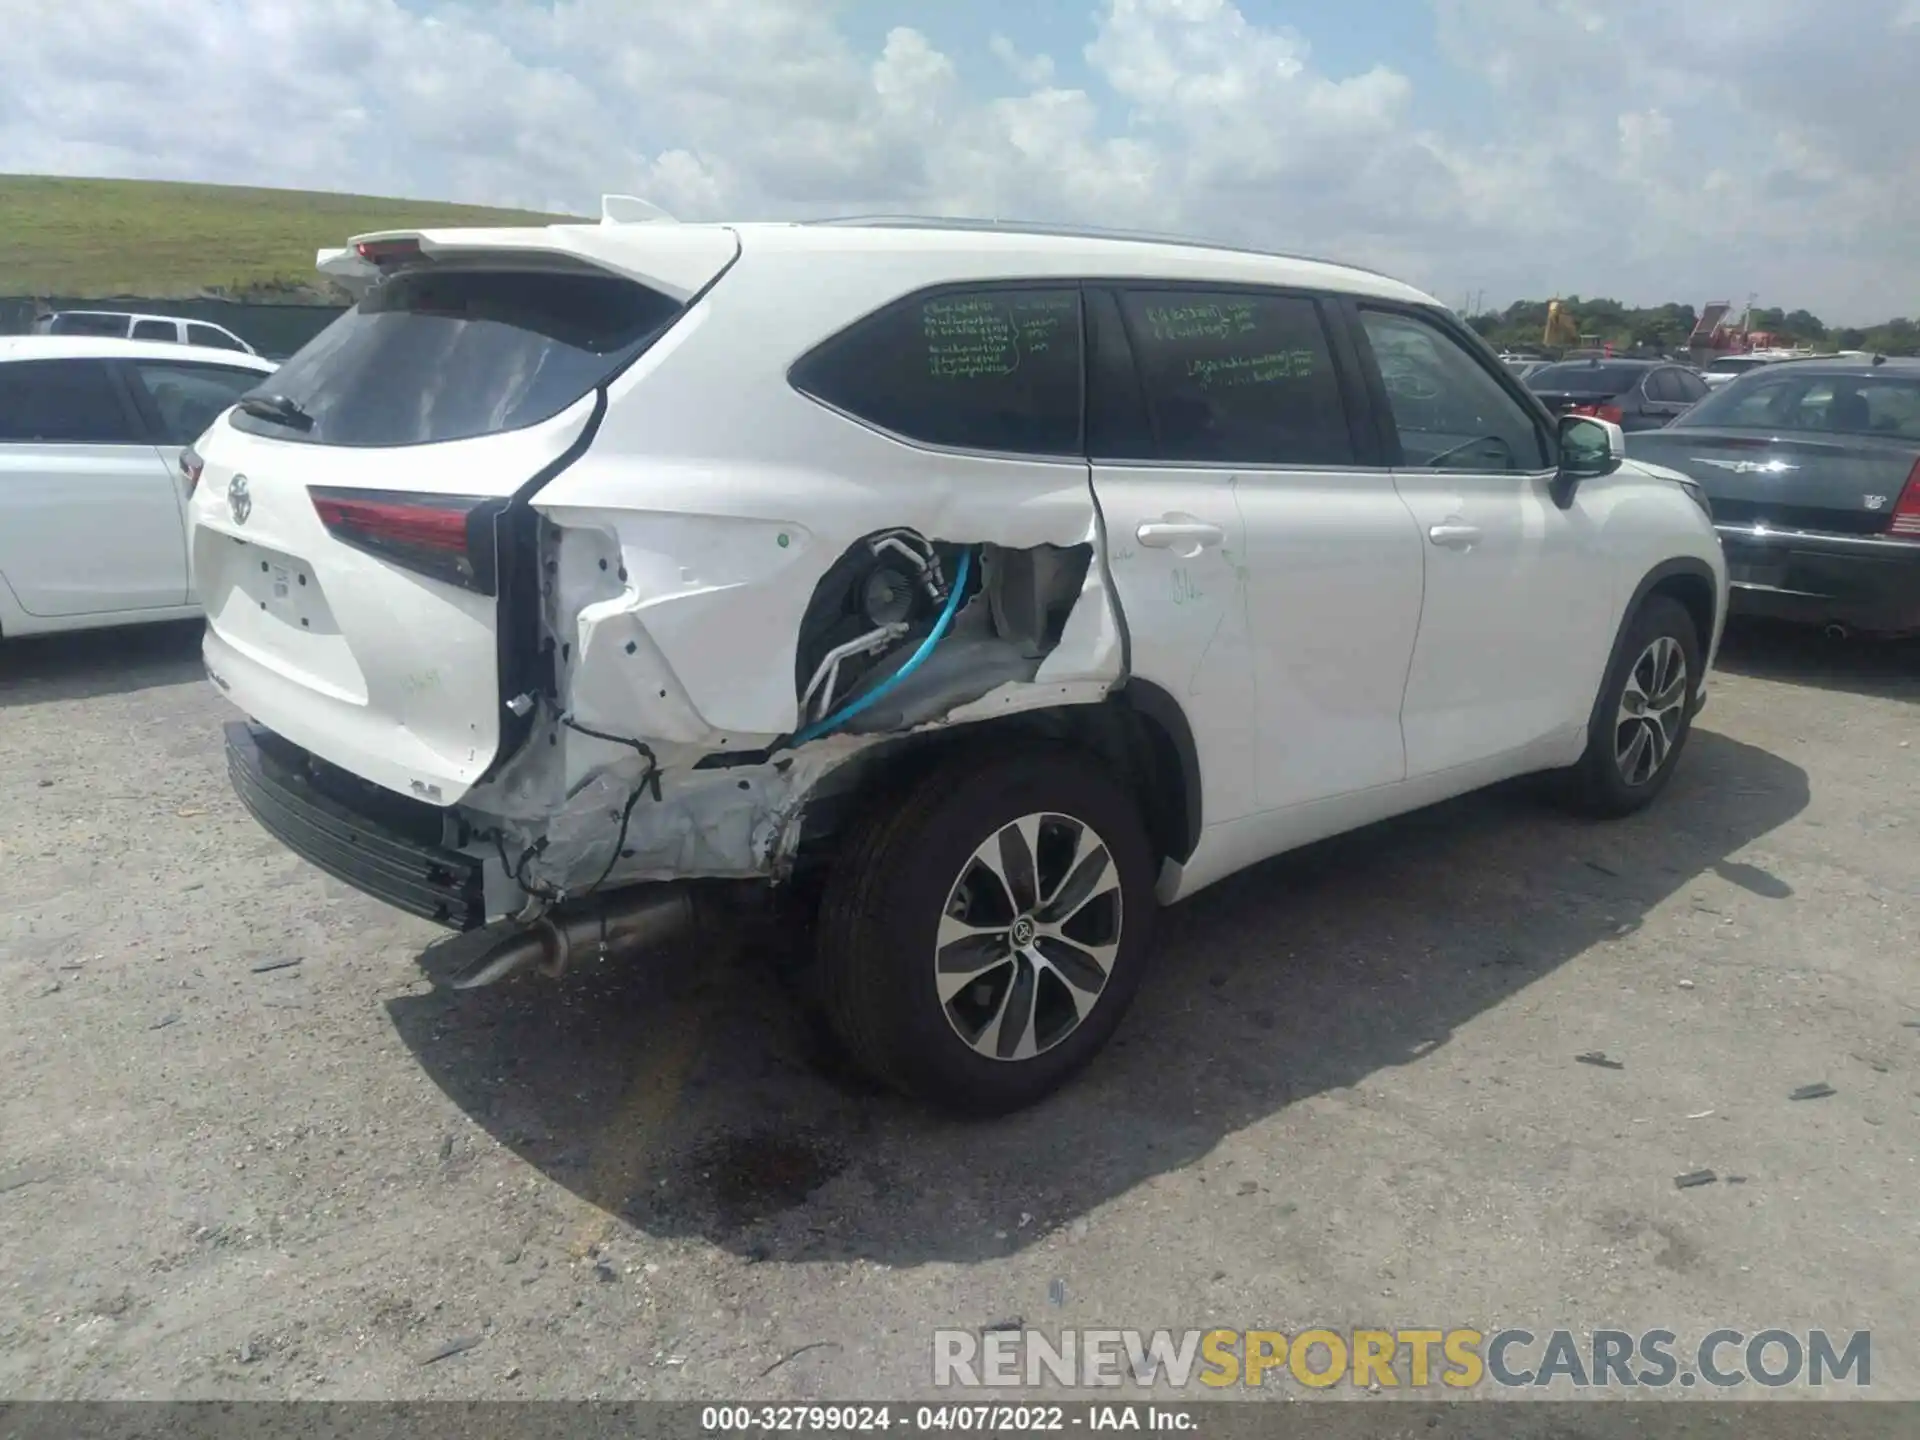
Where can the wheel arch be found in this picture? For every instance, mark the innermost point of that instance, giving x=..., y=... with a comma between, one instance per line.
x=1139, y=732
x=1690, y=582
x=1687, y=580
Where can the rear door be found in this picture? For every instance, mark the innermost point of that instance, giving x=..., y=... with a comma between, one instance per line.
x=178, y=400
x=1691, y=387
x=1666, y=395
x=361, y=540
x=1278, y=574
x=89, y=515
x=1176, y=550
x=212, y=336
x=1518, y=609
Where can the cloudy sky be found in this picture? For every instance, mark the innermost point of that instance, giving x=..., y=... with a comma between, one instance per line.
x=1650, y=149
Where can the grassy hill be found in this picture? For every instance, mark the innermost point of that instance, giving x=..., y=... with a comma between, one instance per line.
x=97, y=238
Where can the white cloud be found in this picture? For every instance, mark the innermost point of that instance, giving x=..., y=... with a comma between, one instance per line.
x=1034, y=71
x=1642, y=148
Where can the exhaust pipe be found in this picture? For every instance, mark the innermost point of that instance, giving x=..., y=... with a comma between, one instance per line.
x=1837, y=631
x=624, y=921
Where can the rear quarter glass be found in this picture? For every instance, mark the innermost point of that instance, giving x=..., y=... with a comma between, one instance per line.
x=435, y=354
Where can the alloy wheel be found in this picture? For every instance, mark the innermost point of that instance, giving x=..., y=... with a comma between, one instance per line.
x=1028, y=936
x=1653, y=711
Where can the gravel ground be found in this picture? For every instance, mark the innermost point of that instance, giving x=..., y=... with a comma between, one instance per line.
x=1348, y=1094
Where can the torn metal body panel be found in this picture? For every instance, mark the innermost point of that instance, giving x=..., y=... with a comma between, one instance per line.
x=682, y=741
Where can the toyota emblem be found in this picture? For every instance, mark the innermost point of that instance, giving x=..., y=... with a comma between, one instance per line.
x=238, y=500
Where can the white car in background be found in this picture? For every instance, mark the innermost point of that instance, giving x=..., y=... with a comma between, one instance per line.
x=982, y=588
x=124, y=325
x=93, y=497
x=1723, y=368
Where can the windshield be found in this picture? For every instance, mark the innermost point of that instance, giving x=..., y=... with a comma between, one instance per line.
x=1793, y=399
x=1596, y=378
x=438, y=354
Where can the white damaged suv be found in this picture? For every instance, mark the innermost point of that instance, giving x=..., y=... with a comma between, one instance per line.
x=983, y=587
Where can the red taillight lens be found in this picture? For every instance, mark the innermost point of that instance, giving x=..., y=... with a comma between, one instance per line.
x=1599, y=412
x=387, y=252
x=1906, y=514
x=448, y=537
x=191, y=467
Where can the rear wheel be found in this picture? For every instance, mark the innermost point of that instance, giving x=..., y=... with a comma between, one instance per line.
x=1644, y=714
x=984, y=931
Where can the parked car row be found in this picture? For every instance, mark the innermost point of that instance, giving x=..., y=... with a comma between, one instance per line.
x=1812, y=468
x=116, y=325
x=1811, y=464
x=1633, y=394
x=93, y=497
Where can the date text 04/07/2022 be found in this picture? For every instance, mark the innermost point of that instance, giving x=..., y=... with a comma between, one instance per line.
x=975, y=1418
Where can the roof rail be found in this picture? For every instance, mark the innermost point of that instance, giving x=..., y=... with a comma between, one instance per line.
x=632, y=210
x=1080, y=232
x=1869, y=357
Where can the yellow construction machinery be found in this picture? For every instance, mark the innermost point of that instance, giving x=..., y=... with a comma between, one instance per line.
x=1562, y=330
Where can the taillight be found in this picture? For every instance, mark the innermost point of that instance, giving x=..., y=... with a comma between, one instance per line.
x=1599, y=412
x=1906, y=515
x=448, y=537
x=191, y=466
x=387, y=252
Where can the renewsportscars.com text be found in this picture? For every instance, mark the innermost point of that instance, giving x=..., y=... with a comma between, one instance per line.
x=1416, y=1359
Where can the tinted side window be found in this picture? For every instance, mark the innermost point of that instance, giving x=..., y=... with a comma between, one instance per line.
x=1238, y=378
x=73, y=402
x=212, y=336
x=188, y=398
x=1671, y=385
x=1690, y=385
x=988, y=369
x=156, y=330
x=1449, y=411
x=88, y=323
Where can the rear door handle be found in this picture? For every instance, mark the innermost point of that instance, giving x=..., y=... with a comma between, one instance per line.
x=1455, y=536
x=1184, y=535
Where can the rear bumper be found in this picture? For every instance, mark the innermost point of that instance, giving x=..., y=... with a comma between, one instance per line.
x=1860, y=581
x=389, y=855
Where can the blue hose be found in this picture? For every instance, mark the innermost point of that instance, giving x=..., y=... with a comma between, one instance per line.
x=934, y=636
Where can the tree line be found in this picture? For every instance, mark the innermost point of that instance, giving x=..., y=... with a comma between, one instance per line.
x=1666, y=327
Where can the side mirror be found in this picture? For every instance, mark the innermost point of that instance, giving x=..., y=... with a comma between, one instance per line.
x=1589, y=448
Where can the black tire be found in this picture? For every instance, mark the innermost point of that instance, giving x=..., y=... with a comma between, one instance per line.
x=890, y=890
x=1603, y=784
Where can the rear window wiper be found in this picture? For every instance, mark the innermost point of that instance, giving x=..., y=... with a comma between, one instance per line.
x=279, y=409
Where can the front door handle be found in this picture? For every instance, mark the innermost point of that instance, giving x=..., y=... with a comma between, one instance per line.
x=1184, y=535
x=1455, y=536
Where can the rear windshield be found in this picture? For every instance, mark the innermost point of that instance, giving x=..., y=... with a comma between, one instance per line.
x=1734, y=365
x=1611, y=379
x=436, y=354
x=1792, y=399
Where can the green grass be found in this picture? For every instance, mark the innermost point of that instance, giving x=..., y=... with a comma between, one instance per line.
x=89, y=239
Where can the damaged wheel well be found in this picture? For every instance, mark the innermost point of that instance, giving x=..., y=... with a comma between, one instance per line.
x=1140, y=733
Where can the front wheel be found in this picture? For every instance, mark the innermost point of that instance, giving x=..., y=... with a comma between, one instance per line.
x=983, y=932
x=1644, y=714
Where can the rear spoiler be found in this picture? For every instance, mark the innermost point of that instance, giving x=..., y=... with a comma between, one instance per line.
x=347, y=269
x=632, y=238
